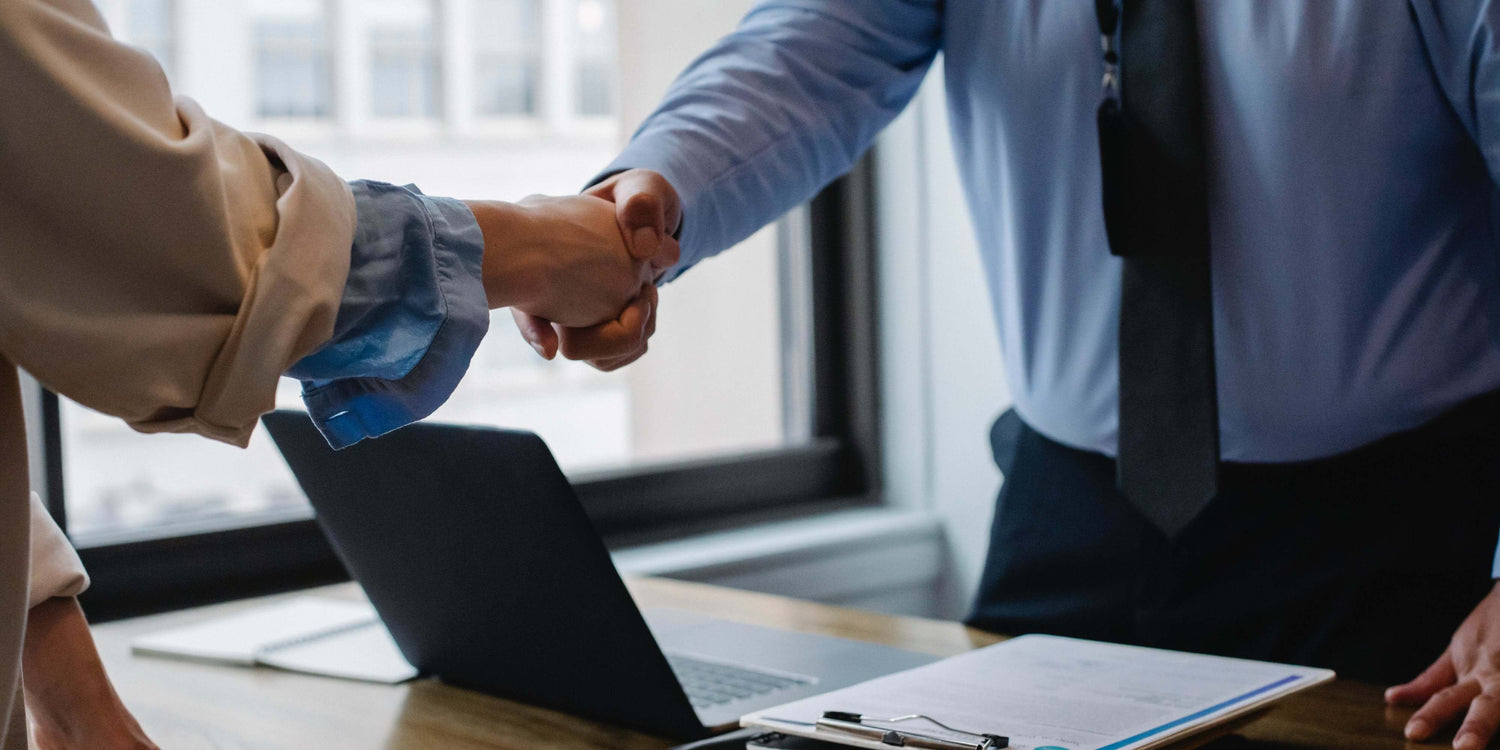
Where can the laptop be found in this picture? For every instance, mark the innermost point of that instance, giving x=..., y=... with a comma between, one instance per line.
x=472, y=546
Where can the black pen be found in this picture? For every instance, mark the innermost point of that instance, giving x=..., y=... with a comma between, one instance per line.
x=735, y=740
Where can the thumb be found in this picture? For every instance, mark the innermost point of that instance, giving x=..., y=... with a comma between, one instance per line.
x=648, y=210
x=538, y=332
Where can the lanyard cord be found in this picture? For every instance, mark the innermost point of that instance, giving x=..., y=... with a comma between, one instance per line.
x=1108, y=13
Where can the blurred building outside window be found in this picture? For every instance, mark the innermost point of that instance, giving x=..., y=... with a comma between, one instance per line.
x=152, y=25
x=405, y=58
x=293, y=59
x=507, y=38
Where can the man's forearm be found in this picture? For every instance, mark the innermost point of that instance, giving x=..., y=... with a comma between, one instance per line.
x=779, y=108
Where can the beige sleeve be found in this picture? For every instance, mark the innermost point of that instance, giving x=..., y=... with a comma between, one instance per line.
x=55, y=568
x=155, y=264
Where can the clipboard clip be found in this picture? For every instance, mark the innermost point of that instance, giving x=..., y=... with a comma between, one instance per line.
x=859, y=725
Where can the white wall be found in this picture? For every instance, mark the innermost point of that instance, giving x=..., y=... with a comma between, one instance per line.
x=942, y=383
x=725, y=297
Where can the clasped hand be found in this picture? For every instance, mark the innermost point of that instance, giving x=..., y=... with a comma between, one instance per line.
x=579, y=273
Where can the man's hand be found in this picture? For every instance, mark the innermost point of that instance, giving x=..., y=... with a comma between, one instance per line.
x=648, y=212
x=562, y=259
x=71, y=702
x=1466, y=676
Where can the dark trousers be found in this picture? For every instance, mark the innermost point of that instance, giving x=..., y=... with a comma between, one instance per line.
x=1365, y=562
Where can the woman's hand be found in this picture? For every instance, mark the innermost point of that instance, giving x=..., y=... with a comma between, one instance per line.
x=68, y=695
x=562, y=259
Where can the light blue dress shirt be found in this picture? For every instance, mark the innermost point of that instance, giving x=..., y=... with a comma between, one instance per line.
x=413, y=313
x=1354, y=147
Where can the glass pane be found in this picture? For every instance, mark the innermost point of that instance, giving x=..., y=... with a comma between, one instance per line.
x=405, y=62
x=596, y=57
x=148, y=24
x=507, y=25
x=711, y=386
x=118, y=480
x=293, y=59
x=507, y=59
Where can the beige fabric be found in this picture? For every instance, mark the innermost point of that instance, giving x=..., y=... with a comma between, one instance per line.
x=154, y=264
x=18, y=728
x=15, y=530
x=55, y=567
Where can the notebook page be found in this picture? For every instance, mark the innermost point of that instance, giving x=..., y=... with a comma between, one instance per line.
x=237, y=638
x=1057, y=693
x=364, y=653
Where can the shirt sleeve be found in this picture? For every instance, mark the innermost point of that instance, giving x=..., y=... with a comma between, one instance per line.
x=55, y=567
x=780, y=108
x=1462, y=39
x=413, y=313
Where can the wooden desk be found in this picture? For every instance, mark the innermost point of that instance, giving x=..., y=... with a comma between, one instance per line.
x=185, y=705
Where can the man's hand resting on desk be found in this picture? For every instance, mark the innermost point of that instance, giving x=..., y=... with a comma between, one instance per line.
x=1465, y=680
x=648, y=212
x=69, y=697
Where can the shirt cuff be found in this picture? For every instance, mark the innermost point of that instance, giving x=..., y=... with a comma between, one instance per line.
x=413, y=313
x=55, y=567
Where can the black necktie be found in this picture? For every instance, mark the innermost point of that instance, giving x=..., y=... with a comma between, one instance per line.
x=1169, y=423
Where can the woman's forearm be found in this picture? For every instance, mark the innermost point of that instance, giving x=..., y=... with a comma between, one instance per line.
x=68, y=694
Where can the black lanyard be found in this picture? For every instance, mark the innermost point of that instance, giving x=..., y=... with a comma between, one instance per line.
x=1108, y=12
x=1111, y=124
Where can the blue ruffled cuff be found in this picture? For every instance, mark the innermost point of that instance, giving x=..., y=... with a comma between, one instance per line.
x=413, y=313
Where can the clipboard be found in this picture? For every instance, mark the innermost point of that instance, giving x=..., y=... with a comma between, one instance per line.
x=1048, y=693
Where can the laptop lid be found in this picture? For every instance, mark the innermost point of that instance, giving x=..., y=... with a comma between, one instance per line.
x=478, y=556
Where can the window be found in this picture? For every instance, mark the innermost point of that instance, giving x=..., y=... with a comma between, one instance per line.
x=149, y=24
x=405, y=63
x=595, y=21
x=753, y=397
x=507, y=56
x=293, y=59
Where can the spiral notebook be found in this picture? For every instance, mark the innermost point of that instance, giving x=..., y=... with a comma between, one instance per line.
x=308, y=634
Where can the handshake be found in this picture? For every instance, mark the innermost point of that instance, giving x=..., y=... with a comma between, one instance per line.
x=579, y=273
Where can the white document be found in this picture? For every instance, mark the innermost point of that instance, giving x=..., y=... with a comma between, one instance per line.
x=364, y=653
x=1049, y=693
x=307, y=634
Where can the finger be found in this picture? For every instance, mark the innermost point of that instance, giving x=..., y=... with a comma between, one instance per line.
x=669, y=255
x=652, y=183
x=610, y=365
x=537, y=332
x=1480, y=724
x=1436, y=677
x=641, y=217
x=1441, y=709
x=648, y=211
x=616, y=338
x=652, y=296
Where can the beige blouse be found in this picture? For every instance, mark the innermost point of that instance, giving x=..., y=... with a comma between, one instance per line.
x=155, y=265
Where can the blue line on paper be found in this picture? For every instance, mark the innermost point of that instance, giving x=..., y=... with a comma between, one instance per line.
x=1200, y=714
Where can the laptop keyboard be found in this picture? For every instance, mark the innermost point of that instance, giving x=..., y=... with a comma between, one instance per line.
x=711, y=684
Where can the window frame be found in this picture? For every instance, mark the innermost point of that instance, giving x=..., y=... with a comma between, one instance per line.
x=837, y=466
